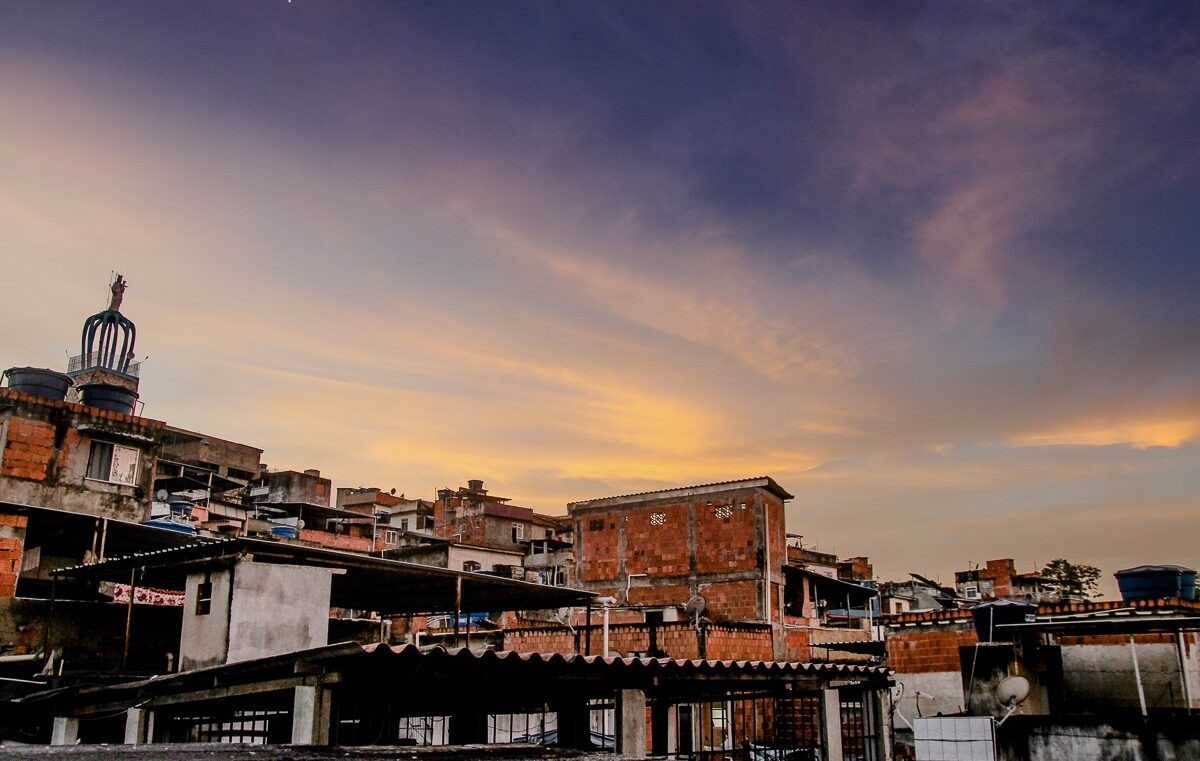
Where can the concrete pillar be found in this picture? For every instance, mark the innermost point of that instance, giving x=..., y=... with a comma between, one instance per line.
x=65, y=731
x=631, y=723
x=310, y=716
x=137, y=726
x=831, y=724
x=883, y=730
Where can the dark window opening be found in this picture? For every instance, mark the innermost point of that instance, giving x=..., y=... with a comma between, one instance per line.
x=204, y=597
x=597, y=524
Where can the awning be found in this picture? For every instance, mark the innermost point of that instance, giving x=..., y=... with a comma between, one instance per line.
x=368, y=583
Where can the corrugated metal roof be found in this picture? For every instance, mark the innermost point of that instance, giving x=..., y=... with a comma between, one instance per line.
x=765, y=482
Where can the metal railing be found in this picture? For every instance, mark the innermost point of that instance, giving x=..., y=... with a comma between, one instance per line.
x=93, y=360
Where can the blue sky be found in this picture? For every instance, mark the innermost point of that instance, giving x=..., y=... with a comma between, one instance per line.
x=931, y=265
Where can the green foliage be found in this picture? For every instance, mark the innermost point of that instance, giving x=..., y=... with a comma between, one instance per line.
x=1074, y=578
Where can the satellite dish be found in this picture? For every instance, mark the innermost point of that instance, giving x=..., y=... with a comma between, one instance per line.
x=393, y=492
x=299, y=524
x=695, y=606
x=1012, y=691
x=161, y=495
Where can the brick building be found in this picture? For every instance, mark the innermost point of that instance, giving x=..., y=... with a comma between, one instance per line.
x=470, y=515
x=716, y=548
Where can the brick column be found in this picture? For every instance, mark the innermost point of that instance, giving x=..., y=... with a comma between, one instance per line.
x=12, y=544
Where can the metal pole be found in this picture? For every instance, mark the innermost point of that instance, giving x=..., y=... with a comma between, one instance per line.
x=587, y=630
x=1187, y=690
x=49, y=616
x=605, y=653
x=129, y=618
x=457, y=606
x=1137, y=675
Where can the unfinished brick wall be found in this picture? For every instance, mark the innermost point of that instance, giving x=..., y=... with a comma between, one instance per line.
x=12, y=542
x=28, y=449
x=337, y=541
x=656, y=541
x=676, y=640
x=663, y=548
x=928, y=649
x=732, y=600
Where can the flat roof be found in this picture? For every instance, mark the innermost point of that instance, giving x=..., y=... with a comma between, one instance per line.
x=368, y=583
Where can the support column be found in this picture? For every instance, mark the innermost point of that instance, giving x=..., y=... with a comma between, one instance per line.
x=65, y=731
x=631, y=723
x=883, y=724
x=831, y=724
x=310, y=715
x=137, y=726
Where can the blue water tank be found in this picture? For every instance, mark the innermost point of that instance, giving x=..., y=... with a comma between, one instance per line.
x=38, y=381
x=1152, y=582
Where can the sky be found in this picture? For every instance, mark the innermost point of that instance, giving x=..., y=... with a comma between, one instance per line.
x=931, y=265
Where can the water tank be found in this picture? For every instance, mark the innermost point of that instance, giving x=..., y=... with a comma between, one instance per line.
x=989, y=615
x=1151, y=582
x=106, y=396
x=38, y=381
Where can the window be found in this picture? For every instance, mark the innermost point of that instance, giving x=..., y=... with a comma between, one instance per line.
x=518, y=532
x=113, y=463
x=391, y=536
x=549, y=533
x=404, y=524
x=596, y=524
x=723, y=511
x=658, y=519
x=204, y=596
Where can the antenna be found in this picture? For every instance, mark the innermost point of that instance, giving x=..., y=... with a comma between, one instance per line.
x=695, y=606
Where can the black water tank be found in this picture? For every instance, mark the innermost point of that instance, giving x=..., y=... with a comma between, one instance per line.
x=38, y=381
x=989, y=615
x=106, y=396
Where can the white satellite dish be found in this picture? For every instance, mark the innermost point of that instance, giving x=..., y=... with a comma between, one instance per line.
x=695, y=606
x=161, y=495
x=1010, y=693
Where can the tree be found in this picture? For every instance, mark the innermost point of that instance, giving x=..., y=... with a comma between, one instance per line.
x=1074, y=578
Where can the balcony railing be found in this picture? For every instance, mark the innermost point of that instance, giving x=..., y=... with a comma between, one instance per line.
x=84, y=362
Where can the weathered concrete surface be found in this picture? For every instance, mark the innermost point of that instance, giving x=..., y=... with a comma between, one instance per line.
x=200, y=752
x=204, y=640
x=277, y=609
x=1125, y=737
x=1099, y=676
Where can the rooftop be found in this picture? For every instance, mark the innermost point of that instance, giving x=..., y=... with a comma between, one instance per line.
x=764, y=482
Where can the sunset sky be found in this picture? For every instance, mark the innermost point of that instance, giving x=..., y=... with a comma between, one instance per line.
x=933, y=266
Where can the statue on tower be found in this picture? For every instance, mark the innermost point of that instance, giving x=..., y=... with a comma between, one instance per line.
x=118, y=293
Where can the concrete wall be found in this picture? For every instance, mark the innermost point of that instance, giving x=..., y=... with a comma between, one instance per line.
x=276, y=609
x=940, y=692
x=1127, y=738
x=204, y=639
x=1096, y=676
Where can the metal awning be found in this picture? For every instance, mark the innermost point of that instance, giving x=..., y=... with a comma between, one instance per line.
x=367, y=583
x=836, y=589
